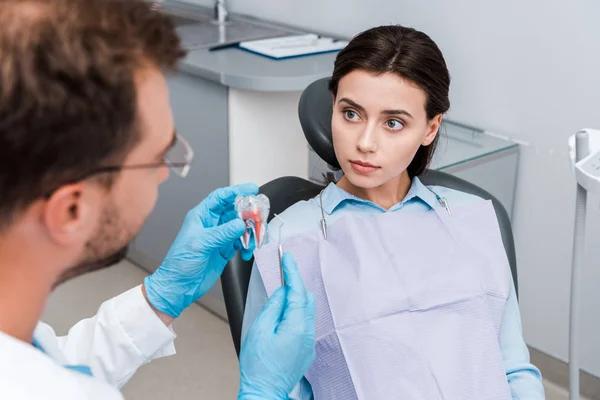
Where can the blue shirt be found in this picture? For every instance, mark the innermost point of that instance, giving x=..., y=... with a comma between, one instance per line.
x=83, y=369
x=524, y=379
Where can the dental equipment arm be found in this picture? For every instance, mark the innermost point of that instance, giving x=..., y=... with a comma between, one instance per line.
x=585, y=158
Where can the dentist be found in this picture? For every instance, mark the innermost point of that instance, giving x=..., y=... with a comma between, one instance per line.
x=86, y=137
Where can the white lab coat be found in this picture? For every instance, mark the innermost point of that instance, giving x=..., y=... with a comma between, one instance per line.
x=122, y=336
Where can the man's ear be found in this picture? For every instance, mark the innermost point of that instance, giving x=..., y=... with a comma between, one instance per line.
x=433, y=129
x=70, y=214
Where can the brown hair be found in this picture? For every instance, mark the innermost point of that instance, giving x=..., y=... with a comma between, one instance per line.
x=68, y=100
x=408, y=53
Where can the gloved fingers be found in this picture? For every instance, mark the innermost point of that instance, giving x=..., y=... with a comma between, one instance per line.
x=218, y=201
x=299, y=317
x=246, y=254
x=229, y=214
x=223, y=235
x=237, y=245
x=293, y=280
x=227, y=252
x=270, y=314
x=299, y=313
x=250, y=250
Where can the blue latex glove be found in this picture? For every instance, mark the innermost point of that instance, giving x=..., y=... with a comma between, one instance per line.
x=280, y=346
x=208, y=239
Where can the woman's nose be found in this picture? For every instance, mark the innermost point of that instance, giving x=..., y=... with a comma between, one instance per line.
x=367, y=142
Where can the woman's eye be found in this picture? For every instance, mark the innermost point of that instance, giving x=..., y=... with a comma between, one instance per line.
x=394, y=124
x=350, y=115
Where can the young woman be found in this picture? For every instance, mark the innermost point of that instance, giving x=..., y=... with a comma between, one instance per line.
x=389, y=92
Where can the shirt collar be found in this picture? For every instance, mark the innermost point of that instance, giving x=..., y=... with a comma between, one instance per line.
x=333, y=196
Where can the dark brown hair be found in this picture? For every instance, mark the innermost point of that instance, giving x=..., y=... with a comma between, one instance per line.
x=408, y=53
x=68, y=100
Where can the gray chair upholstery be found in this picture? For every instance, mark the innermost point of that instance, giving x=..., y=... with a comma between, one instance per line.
x=315, y=110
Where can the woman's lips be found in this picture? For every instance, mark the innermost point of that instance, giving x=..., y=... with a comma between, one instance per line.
x=363, y=167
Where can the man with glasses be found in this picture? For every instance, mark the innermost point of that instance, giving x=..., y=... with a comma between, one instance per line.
x=86, y=137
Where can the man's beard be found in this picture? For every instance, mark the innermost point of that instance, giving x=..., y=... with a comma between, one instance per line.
x=108, y=247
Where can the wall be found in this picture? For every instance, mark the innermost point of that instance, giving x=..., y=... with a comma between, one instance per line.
x=529, y=70
x=256, y=118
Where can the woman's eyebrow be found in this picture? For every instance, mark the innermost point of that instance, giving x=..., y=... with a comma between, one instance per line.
x=385, y=112
x=397, y=112
x=352, y=103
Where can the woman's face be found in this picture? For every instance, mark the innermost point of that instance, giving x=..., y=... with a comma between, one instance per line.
x=379, y=123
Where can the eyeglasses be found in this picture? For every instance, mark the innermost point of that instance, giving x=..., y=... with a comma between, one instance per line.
x=178, y=158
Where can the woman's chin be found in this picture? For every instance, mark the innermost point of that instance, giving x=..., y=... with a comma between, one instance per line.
x=363, y=181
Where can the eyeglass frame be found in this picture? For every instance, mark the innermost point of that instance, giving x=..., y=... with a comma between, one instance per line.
x=171, y=165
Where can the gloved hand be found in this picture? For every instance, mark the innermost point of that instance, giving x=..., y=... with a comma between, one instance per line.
x=280, y=346
x=208, y=239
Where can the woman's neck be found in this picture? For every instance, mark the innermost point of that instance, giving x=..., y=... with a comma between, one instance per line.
x=386, y=195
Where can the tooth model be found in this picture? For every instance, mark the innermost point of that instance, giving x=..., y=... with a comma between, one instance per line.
x=254, y=210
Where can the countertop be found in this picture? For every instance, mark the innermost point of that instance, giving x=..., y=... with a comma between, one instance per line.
x=239, y=69
x=243, y=70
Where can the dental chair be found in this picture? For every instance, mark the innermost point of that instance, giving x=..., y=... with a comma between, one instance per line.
x=315, y=111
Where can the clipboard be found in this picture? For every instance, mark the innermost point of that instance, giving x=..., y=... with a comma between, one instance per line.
x=286, y=47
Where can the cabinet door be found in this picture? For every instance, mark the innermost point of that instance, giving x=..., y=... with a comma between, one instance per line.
x=200, y=111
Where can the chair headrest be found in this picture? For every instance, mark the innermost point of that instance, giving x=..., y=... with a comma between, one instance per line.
x=315, y=111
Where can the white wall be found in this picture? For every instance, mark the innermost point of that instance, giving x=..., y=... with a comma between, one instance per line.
x=255, y=119
x=526, y=69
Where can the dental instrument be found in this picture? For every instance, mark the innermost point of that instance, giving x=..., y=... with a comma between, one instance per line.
x=280, y=250
x=323, y=220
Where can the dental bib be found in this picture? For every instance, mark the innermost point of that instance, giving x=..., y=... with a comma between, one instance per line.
x=409, y=305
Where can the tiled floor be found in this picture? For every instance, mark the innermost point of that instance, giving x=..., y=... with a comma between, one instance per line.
x=205, y=365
